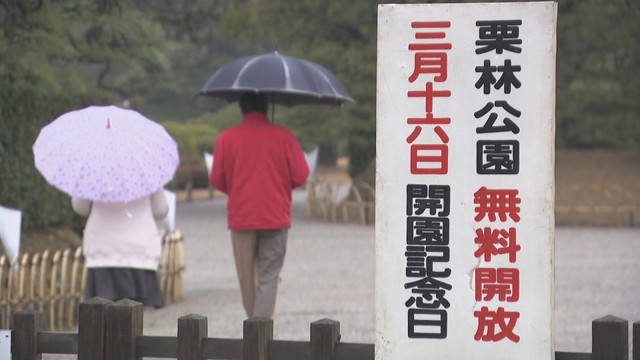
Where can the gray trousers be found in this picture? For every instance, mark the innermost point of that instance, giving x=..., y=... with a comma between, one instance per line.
x=259, y=256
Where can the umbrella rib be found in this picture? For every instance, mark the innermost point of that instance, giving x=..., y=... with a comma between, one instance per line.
x=287, y=73
x=335, y=92
x=243, y=70
x=328, y=82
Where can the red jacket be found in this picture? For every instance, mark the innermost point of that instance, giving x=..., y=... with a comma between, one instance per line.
x=258, y=164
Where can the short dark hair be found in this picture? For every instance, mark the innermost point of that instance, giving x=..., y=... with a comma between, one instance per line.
x=251, y=101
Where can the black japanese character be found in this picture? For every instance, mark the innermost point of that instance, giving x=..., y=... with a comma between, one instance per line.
x=421, y=197
x=489, y=126
x=427, y=230
x=507, y=79
x=497, y=157
x=498, y=35
x=427, y=324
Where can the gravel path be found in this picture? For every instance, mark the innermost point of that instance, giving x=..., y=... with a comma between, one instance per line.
x=329, y=273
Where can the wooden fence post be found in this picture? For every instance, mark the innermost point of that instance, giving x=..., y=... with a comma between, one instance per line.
x=636, y=341
x=24, y=336
x=123, y=325
x=192, y=329
x=325, y=334
x=610, y=338
x=256, y=333
x=91, y=329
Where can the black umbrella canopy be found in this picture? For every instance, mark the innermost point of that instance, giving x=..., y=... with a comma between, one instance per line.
x=284, y=79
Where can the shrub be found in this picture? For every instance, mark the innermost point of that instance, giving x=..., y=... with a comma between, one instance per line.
x=24, y=111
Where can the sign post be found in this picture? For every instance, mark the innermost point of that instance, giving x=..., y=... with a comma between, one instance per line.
x=464, y=190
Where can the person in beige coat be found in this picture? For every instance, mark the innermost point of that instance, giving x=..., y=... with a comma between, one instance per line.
x=122, y=247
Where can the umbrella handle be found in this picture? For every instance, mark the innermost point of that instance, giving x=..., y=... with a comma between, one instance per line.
x=273, y=105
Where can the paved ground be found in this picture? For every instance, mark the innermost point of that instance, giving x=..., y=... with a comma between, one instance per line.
x=596, y=275
x=329, y=273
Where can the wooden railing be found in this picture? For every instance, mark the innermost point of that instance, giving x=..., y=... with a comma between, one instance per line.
x=52, y=282
x=113, y=331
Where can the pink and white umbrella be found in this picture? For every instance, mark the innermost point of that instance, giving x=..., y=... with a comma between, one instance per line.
x=106, y=154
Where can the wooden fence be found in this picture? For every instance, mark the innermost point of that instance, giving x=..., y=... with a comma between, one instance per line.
x=113, y=331
x=171, y=267
x=52, y=282
x=346, y=202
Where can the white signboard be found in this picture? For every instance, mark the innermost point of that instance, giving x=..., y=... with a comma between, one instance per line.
x=170, y=220
x=312, y=159
x=208, y=160
x=5, y=344
x=10, y=224
x=464, y=190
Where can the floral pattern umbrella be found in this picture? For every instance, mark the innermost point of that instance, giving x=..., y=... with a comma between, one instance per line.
x=106, y=154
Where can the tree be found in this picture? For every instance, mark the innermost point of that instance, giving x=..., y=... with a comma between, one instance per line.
x=55, y=57
x=598, y=74
x=194, y=51
x=598, y=68
x=342, y=37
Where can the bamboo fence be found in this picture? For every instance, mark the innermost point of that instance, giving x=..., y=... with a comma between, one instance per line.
x=347, y=202
x=171, y=266
x=52, y=282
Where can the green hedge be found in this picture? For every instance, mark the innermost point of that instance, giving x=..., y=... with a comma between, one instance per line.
x=24, y=110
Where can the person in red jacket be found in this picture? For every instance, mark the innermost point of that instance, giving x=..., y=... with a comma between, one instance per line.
x=258, y=164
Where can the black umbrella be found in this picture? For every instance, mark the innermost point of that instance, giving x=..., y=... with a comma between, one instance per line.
x=284, y=79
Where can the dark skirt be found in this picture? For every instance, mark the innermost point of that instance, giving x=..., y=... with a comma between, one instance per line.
x=124, y=283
